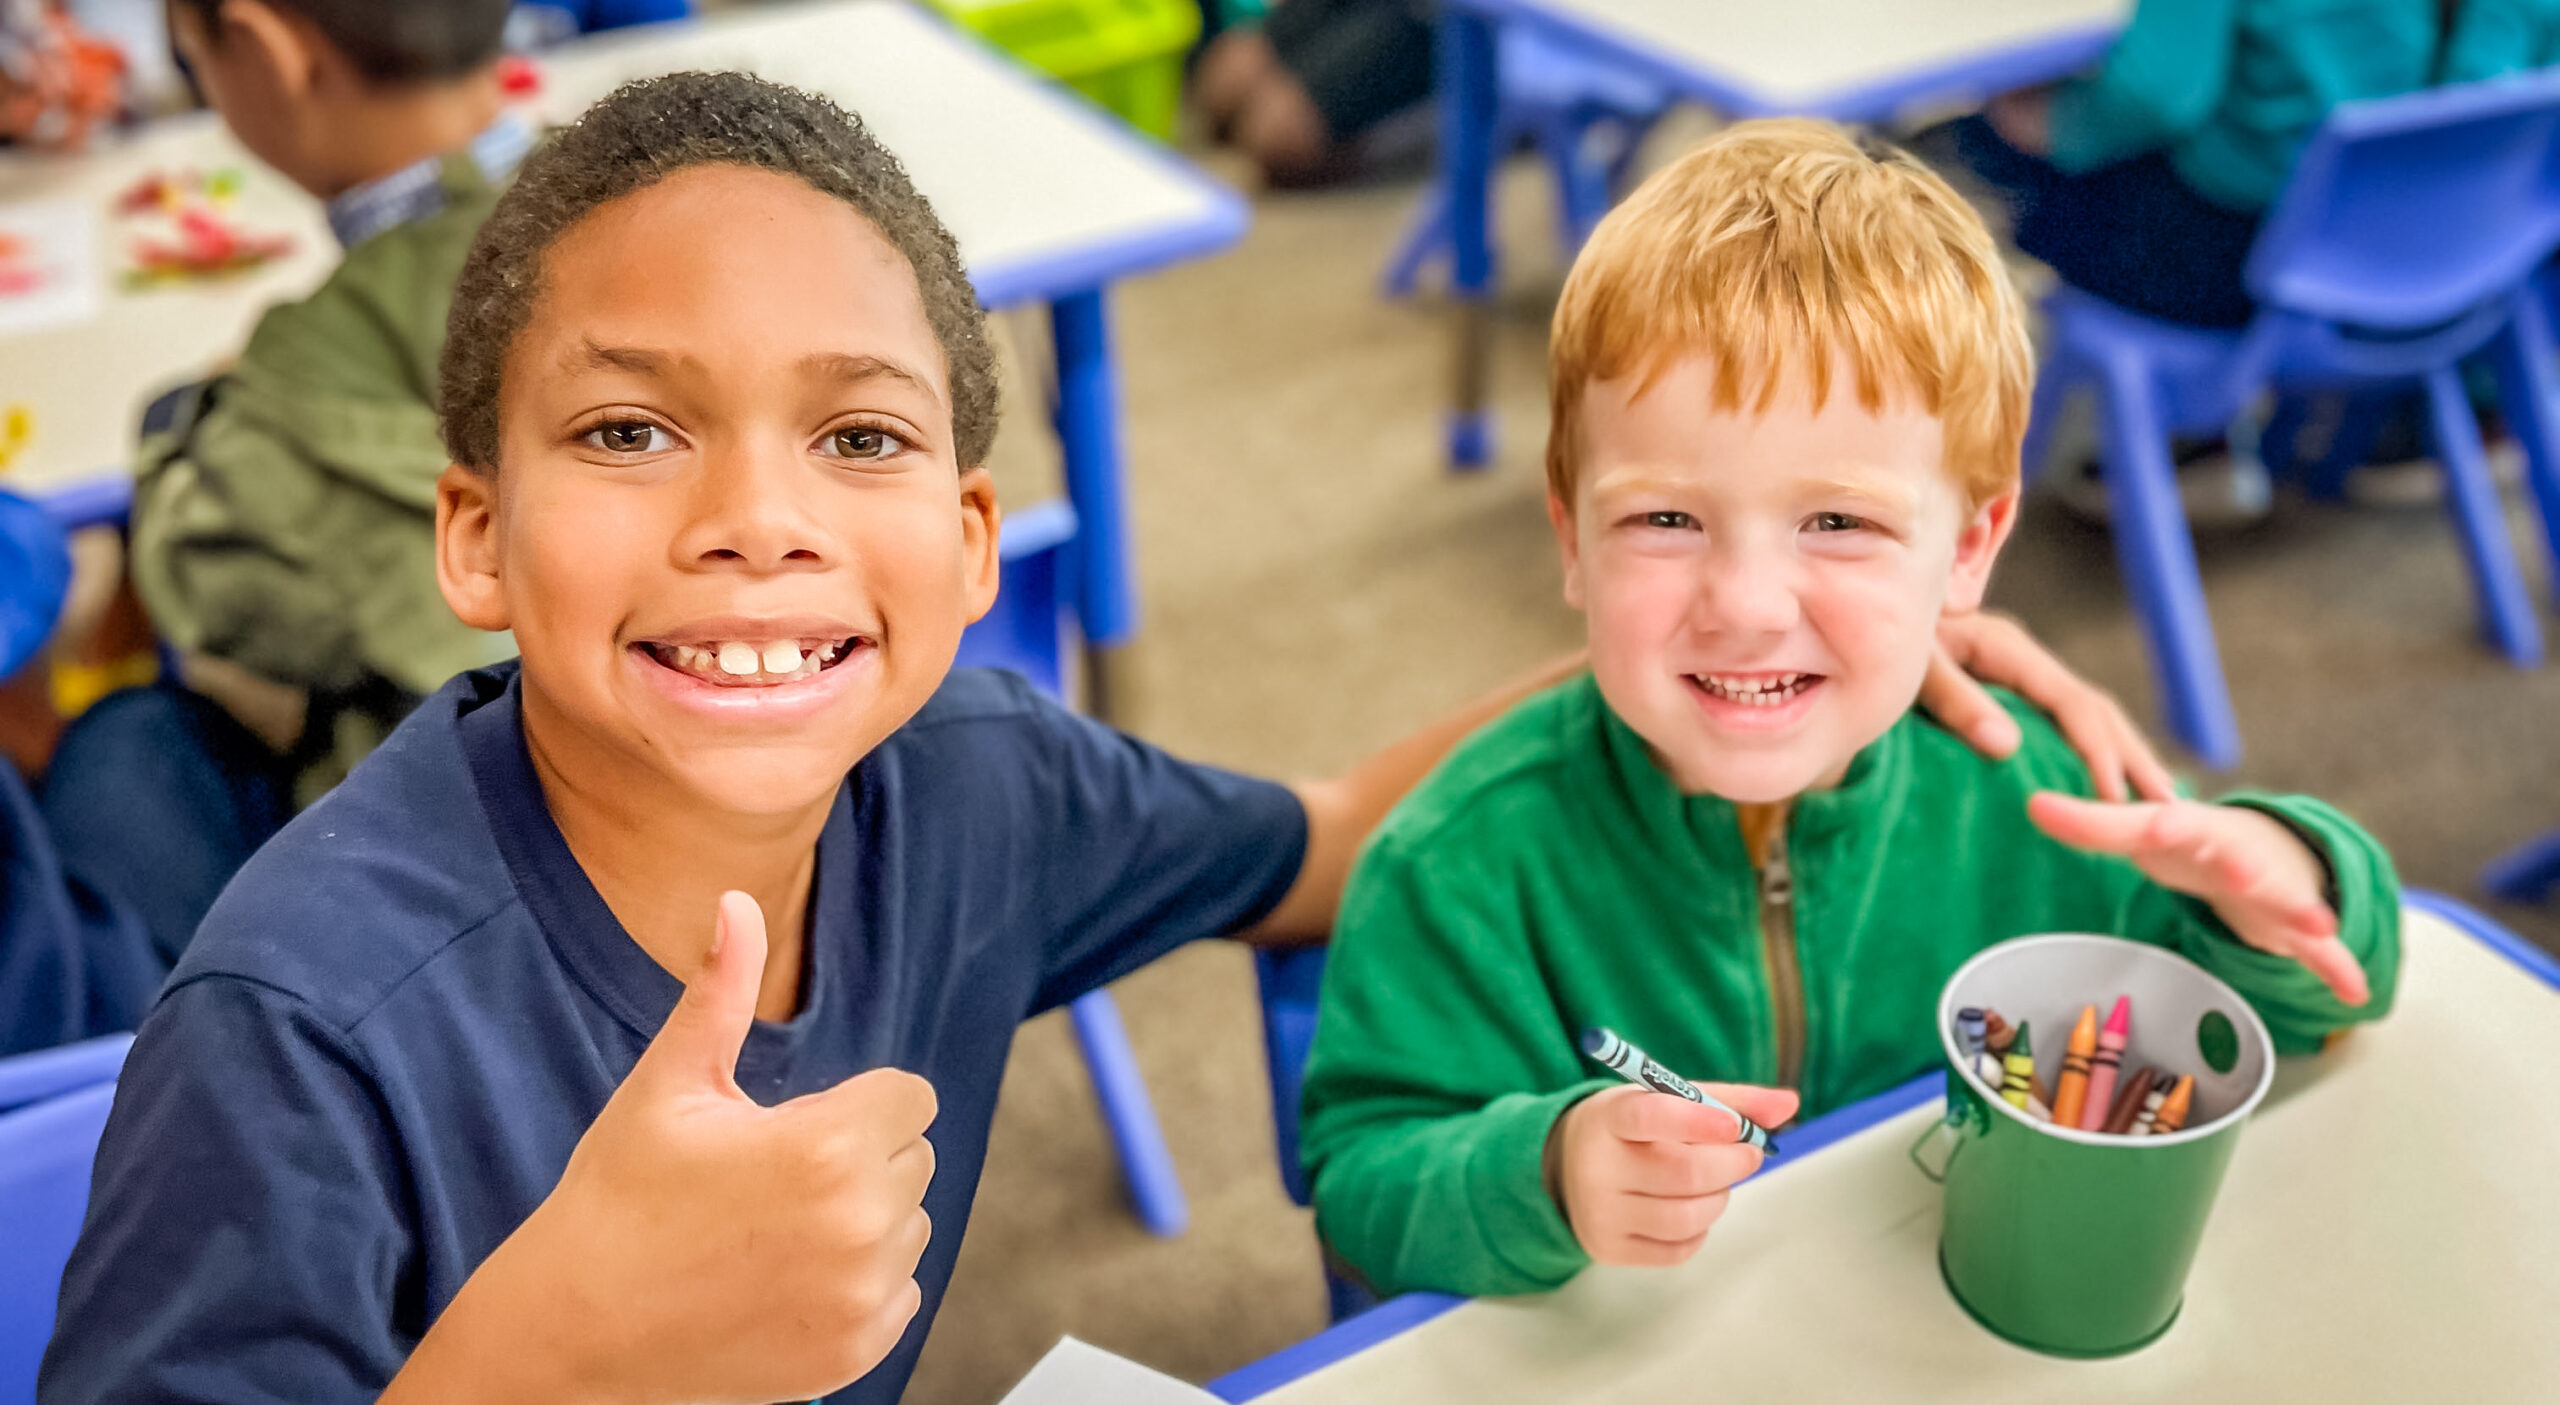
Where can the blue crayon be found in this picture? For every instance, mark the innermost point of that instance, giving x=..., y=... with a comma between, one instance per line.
x=1972, y=1028
x=1631, y=1063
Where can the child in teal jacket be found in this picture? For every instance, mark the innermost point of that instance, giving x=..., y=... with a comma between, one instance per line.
x=1789, y=380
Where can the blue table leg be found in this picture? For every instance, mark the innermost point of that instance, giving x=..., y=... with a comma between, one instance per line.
x=1470, y=98
x=1130, y=1114
x=1106, y=587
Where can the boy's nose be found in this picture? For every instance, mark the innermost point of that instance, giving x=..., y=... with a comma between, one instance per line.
x=1745, y=593
x=752, y=509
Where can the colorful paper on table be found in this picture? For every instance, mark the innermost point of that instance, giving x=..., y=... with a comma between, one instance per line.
x=1077, y=1373
x=48, y=266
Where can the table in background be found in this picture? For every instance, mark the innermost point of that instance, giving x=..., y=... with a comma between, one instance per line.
x=1051, y=201
x=1848, y=60
x=2386, y=1232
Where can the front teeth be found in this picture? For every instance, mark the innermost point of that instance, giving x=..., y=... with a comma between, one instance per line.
x=1755, y=692
x=780, y=661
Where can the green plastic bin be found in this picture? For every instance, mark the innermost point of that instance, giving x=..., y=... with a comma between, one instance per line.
x=1124, y=54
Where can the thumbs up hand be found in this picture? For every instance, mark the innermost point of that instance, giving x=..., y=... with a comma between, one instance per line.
x=700, y=1248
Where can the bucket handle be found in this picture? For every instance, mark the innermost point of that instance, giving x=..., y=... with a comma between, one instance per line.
x=1948, y=1131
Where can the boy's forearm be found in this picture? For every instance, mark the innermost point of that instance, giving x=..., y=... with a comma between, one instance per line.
x=493, y=1345
x=1344, y=810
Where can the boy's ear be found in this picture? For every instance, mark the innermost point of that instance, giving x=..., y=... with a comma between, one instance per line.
x=981, y=528
x=278, y=44
x=467, y=548
x=1977, y=546
x=1560, y=517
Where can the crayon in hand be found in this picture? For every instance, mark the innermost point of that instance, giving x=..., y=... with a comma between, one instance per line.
x=2105, y=1065
x=2071, y=1089
x=2128, y=1102
x=2174, y=1108
x=1634, y=1065
x=2018, y=1070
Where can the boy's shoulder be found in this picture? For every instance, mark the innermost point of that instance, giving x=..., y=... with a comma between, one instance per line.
x=361, y=890
x=2044, y=759
x=1510, y=774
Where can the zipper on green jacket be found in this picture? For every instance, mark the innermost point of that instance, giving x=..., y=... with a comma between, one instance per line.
x=1778, y=946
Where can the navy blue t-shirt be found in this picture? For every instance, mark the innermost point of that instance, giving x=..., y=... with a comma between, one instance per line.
x=374, y=1059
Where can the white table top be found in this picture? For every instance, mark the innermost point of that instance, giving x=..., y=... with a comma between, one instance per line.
x=2389, y=1230
x=1044, y=194
x=1849, y=59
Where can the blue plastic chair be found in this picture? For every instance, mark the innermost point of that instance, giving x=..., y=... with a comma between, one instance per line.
x=2406, y=240
x=1290, y=979
x=1585, y=115
x=1026, y=632
x=47, y=1144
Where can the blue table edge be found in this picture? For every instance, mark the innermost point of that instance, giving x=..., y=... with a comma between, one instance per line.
x=2032, y=61
x=1398, y=1315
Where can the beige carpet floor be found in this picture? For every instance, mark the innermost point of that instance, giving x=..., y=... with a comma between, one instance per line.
x=1317, y=584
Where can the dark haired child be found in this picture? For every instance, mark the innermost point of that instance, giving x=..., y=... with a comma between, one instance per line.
x=283, y=526
x=462, y=1093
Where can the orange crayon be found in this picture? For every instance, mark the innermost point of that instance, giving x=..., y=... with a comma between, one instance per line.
x=2104, y=1065
x=2071, y=1090
x=2173, y=1108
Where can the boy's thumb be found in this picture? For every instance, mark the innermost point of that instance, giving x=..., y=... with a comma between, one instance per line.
x=699, y=1043
x=1772, y=1108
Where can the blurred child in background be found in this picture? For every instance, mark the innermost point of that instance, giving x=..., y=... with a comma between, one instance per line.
x=283, y=517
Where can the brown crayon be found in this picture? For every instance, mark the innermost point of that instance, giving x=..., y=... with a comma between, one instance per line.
x=2129, y=1102
x=2173, y=1108
x=1997, y=1034
x=2071, y=1089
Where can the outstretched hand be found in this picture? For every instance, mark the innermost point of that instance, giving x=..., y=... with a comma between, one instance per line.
x=2260, y=879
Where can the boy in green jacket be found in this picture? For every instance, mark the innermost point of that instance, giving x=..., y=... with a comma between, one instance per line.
x=1789, y=381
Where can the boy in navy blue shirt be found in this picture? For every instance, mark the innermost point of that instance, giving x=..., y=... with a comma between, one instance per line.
x=455, y=1096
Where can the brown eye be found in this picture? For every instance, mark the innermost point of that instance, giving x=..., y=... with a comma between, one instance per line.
x=862, y=442
x=627, y=437
x=1837, y=522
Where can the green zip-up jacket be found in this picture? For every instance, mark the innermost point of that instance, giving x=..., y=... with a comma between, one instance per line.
x=286, y=522
x=2230, y=89
x=1548, y=877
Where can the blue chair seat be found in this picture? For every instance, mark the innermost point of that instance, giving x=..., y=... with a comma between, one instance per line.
x=47, y=1145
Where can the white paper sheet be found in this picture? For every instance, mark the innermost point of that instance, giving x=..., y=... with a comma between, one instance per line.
x=48, y=266
x=1078, y=1373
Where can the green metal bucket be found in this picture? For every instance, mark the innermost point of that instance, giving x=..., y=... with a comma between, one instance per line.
x=2075, y=1243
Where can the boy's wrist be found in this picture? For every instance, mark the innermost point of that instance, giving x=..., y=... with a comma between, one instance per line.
x=502, y=1341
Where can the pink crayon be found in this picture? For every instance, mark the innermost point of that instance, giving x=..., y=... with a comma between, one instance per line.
x=2103, y=1067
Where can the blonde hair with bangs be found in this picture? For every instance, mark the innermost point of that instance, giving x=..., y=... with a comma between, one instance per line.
x=1776, y=247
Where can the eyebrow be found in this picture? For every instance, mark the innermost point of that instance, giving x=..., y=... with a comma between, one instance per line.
x=841, y=367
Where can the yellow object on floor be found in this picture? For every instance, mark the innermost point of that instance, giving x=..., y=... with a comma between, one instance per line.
x=78, y=686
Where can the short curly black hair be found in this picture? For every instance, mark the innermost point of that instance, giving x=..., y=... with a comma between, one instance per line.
x=648, y=130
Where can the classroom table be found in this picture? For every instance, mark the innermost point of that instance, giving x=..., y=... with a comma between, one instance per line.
x=1848, y=60
x=1051, y=200
x=2389, y=1230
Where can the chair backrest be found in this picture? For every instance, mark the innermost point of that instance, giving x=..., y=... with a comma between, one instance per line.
x=1026, y=628
x=2404, y=212
x=46, y=1149
x=47, y=1073
x=35, y=575
x=1290, y=978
